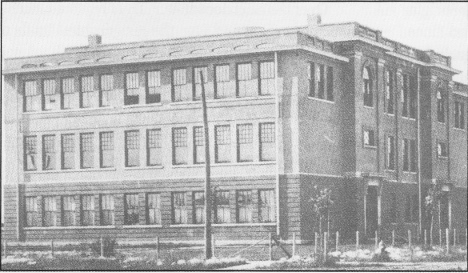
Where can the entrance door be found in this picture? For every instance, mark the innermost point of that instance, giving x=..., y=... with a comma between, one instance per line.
x=371, y=210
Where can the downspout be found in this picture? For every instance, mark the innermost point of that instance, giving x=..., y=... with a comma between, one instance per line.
x=277, y=116
x=19, y=156
x=418, y=129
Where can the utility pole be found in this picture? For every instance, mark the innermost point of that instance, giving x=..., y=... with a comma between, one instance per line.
x=208, y=247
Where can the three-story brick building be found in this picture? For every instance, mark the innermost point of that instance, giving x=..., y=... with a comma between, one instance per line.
x=107, y=139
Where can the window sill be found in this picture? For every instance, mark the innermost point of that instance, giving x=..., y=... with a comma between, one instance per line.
x=390, y=171
x=408, y=118
x=459, y=129
x=370, y=147
x=143, y=168
x=225, y=225
x=409, y=172
x=72, y=170
x=71, y=110
x=141, y=105
x=225, y=164
x=70, y=227
x=141, y=226
x=390, y=115
x=442, y=157
x=259, y=97
x=322, y=100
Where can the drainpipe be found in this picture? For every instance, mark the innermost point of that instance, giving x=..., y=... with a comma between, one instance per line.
x=19, y=155
x=418, y=124
x=277, y=117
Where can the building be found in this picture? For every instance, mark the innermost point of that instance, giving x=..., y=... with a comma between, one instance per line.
x=107, y=139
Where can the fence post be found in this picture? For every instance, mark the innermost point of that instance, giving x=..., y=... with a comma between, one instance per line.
x=454, y=237
x=315, y=244
x=52, y=247
x=410, y=245
x=102, y=247
x=294, y=244
x=393, y=237
x=270, y=249
x=425, y=238
x=337, y=240
x=213, y=245
x=440, y=237
x=325, y=243
x=157, y=248
x=357, y=239
x=447, y=239
x=376, y=240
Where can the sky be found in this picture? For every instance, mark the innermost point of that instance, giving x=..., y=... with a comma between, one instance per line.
x=47, y=28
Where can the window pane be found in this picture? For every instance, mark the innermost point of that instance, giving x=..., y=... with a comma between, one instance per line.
x=107, y=86
x=197, y=81
x=30, y=153
x=32, y=98
x=68, y=151
x=87, y=210
x=107, y=149
x=311, y=79
x=107, y=210
x=68, y=206
x=244, y=143
x=31, y=212
x=154, y=208
x=179, y=143
x=267, y=78
x=132, y=148
x=87, y=150
x=132, y=88
x=222, y=209
x=48, y=155
x=222, y=86
x=131, y=209
x=154, y=84
x=244, y=75
x=198, y=207
x=223, y=144
x=50, y=210
x=179, y=81
x=179, y=208
x=244, y=207
x=266, y=204
x=267, y=142
x=198, y=145
x=330, y=95
x=154, y=147
x=49, y=87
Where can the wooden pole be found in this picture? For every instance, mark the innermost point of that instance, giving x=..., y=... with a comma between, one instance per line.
x=357, y=239
x=440, y=237
x=409, y=238
x=294, y=244
x=425, y=237
x=157, y=248
x=208, y=250
x=376, y=240
x=454, y=237
x=102, y=247
x=315, y=243
x=270, y=248
x=447, y=239
x=393, y=237
x=337, y=240
x=325, y=244
x=52, y=247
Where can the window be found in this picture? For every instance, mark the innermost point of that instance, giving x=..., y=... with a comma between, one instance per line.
x=87, y=210
x=48, y=153
x=68, y=211
x=179, y=146
x=49, y=94
x=393, y=208
x=408, y=96
x=244, y=206
x=132, y=148
x=198, y=145
x=30, y=153
x=330, y=95
x=459, y=115
x=367, y=87
x=153, y=95
x=50, y=211
x=68, y=151
x=87, y=89
x=390, y=153
x=107, y=149
x=68, y=90
x=389, y=92
x=266, y=206
x=222, y=88
x=197, y=81
x=442, y=149
x=412, y=97
x=311, y=77
x=440, y=106
x=179, y=208
x=32, y=98
x=198, y=207
x=132, y=89
x=244, y=77
x=267, y=78
x=32, y=216
x=222, y=144
x=321, y=81
x=222, y=209
x=154, y=151
x=244, y=143
x=153, y=204
x=87, y=150
x=369, y=139
x=107, y=210
x=267, y=142
x=131, y=209
x=405, y=96
x=179, y=81
x=107, y=88
x=415, y=208
x=409, y=155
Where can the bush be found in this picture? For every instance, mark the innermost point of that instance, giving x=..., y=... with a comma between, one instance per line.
x=109, y=246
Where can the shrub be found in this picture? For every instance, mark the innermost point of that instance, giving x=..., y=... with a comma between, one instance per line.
x=109, y=246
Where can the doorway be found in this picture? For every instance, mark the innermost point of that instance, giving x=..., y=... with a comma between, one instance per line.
x=371, y=210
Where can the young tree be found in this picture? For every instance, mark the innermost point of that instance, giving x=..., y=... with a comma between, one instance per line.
x=432, y=204
x=321, y=203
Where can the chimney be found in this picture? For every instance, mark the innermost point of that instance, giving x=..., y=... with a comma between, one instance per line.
x=94, y=40
x=313, y=20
